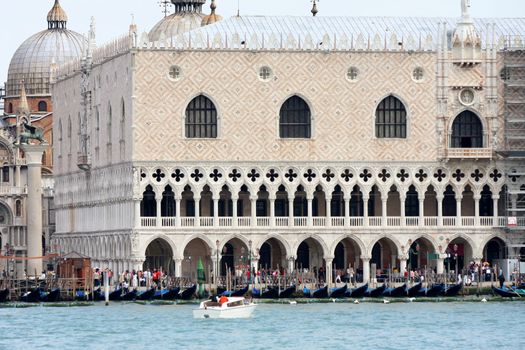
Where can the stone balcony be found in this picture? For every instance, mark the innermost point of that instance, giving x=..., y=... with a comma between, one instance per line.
x=469, y=153
x=393, y=222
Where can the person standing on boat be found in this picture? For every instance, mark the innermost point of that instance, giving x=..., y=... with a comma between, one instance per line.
x=501, y=278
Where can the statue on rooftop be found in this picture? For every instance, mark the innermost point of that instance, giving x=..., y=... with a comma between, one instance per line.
x=465, y=4
x=32, y=133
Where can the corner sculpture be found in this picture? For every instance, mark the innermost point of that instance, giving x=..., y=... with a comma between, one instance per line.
x=32, y=133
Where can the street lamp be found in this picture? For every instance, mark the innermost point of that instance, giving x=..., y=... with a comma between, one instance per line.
x=218, y=263
x=456, y=256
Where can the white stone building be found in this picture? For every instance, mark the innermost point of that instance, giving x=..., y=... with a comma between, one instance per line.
x=294, y=142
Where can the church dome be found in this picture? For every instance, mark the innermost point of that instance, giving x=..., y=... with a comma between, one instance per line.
x=33, y=59
x=188, y=16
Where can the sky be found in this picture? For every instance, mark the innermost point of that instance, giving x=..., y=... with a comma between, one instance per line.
x=21, y=19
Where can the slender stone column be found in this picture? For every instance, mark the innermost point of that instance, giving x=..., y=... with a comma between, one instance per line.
x=477, y=198
x=384, y=202
x=178, y=267
x=253, y=207
x=290, y=211
x=215, y=264
x=421, y=210
x=291, y=263
x=33, y=155
x=366, y=269
x=136, y=206
x=439, y=199
x=159, y=215
x=365, y=211
x=329, y=272
x=347, y=210
x=272, y=211
x=216, y=211
x=402, y=265
x=458, y=210
x=178, y=214
x=328, y=210
x=309, y=198
x=495, y=200
x=197, y=200
x=440, y=264
x=402, y=202
x=18, y=183
x=234, y=210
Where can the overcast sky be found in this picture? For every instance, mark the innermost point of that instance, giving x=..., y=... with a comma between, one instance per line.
x=21, y=19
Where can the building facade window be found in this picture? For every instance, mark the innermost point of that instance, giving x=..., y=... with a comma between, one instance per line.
x=18, y=208
x=295, y=119
x=5, y=173
x=265, y=73
x=467, y=131
x=42, y=106
x=391, y=119
x=201, y=118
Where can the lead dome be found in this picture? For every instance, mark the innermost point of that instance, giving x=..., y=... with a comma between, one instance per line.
x=33, y=59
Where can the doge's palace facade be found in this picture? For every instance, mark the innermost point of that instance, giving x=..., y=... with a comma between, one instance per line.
x=333, y=145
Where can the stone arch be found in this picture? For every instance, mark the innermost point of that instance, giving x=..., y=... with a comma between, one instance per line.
x=8, y=211
x=206, y=239
x=258, y=244
x=483, y=124
x=486, y=240
x=352, y=237
x=428, y=238
x=317, y=238
x=228, y=238
x=161, y=236
x=376, y=239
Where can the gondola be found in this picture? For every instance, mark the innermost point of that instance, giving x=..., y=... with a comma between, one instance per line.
x=339, y=292
x=320, y=293
x=115, y=295
x=98, y=295
x=357, y=292
x=146, y=295
x=188, y=293
x=51, y=297
x=129, y=296
x=167, y=294
x=270, y=293
x=431, y=292
x=452, y=291
x=377, y=292
x=397, y=292
x=220, y=290
x=4, y=294
x=33, y=296
x=287, y=293
x=240, y=292
x=507, y=292
x=412, y=291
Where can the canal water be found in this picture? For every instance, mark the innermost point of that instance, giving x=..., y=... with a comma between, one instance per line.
x=445, y=325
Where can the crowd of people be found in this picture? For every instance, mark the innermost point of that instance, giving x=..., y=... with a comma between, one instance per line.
x=131, y=279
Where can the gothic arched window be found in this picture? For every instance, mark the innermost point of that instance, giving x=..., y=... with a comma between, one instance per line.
x=201, y=118
x=42, y=106
x=467, y=131
x=391, y=119
x=295, y=119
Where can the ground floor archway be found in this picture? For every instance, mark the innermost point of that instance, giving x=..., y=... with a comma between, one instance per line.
x=159, y=255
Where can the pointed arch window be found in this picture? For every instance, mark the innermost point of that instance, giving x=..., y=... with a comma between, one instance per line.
x=295, y=119
x=467, y=131
x=42, y=106
x=391, y=119
x=201, y=118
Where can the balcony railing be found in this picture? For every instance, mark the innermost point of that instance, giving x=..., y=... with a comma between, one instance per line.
x=469, y=153
x=324, y=222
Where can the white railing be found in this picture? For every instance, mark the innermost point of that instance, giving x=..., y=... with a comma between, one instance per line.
x=412, y=221
x=263, y=222
x=244, y=222
x=169, y=222
x=469, y=153
x=449, y=221
x=148, y=222
x=319, y=222
x=338, y=221
x=324, y=222
x=225, y=221
x=206, y=222
x=187, y=222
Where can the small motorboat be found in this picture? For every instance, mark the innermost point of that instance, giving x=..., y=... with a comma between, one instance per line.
x=339, y=292
x=431, y=292
x=115, y=295
x=377, y=292
x=397, y=292
x=509, y=292
x=32, y=296
x=146, y=295
x=357, y=292
x=51, y=297
x=320, y=293
x=412, y=291
x=167, y=294
x=188, y=293
x=232, y=307
x=4, y=294
x=287, y=293
x=452, y=291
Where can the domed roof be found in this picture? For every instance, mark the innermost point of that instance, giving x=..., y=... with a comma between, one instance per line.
x=188, y=16
x=212, y=17
x=32, y=60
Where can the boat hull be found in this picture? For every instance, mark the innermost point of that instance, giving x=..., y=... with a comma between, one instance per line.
x=244, y=311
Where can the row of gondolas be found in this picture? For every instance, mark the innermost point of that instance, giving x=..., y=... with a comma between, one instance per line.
x=39, y=295
x=510, y=292
x=344, y=292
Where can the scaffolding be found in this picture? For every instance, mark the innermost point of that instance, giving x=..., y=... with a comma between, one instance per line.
x=513, y=76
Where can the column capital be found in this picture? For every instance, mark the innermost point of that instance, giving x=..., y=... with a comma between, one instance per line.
x=329, y=258
x=458, y=197
x=403, y=257
x=253, y=198
x=366, y=257
x=477, y=197
x=495, y=197
x=290, y=257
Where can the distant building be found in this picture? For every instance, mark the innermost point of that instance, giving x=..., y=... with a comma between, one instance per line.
x=296, y=143
x=27, y=99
